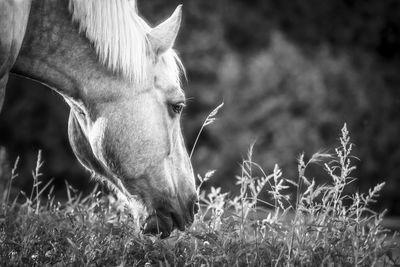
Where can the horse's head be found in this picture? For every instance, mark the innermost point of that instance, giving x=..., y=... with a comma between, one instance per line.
x=129, y=134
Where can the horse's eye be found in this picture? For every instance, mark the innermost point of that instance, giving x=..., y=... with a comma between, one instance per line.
x=177, y=107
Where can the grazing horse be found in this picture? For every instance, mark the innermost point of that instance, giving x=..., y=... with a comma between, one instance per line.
x=121, y=80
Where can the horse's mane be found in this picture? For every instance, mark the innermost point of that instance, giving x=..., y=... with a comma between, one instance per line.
x=119, y=36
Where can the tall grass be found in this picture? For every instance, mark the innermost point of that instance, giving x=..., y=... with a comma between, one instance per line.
x=265, y=225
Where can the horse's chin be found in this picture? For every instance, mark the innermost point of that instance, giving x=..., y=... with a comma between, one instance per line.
x=158, y=224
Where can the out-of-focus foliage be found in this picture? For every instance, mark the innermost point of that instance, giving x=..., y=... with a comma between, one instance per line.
x=290, y=74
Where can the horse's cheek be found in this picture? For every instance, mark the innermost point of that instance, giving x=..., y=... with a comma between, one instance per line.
x=96, y=137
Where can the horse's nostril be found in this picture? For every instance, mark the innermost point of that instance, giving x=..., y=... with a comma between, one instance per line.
x=196, y=206
x=193, y=209
x=178, y=221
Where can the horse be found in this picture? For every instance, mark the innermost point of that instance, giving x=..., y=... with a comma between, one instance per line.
x=121, y=79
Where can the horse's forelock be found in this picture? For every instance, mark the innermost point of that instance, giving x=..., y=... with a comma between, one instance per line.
x=119, y=36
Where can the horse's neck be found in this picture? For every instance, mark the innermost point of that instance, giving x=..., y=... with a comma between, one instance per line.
x=53, y=52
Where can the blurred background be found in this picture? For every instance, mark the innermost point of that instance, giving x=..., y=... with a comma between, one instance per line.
x=290, y=73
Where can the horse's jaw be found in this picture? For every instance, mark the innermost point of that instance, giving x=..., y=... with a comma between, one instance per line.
x=84, y=153
x=149, y=221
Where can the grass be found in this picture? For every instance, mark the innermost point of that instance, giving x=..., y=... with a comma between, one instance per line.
x=265, y=225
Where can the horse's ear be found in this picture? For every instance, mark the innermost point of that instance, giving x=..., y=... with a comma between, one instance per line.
x=162, y=37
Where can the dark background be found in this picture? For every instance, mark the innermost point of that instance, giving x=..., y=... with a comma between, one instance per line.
x=290, y=73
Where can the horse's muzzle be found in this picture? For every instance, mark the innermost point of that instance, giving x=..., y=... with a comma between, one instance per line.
x=165, y=219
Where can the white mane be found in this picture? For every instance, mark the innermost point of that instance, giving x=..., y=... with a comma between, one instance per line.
x=119, y=36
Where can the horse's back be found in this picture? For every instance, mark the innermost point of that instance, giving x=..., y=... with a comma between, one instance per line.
x=13, y=20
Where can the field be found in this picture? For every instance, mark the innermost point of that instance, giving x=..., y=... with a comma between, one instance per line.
x=264, y=225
